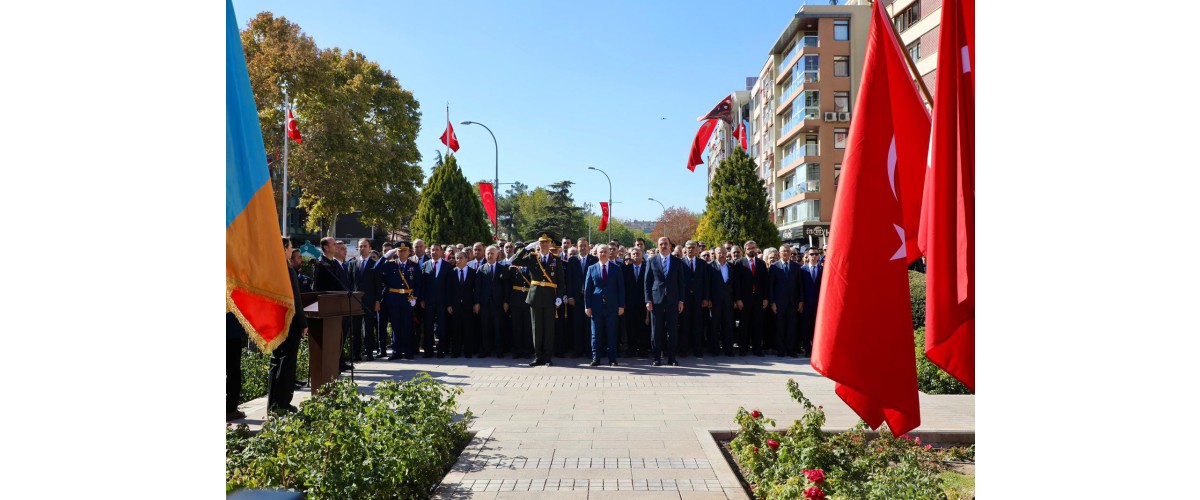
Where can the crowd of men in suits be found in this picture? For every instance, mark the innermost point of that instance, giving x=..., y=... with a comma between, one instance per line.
x=670, y=301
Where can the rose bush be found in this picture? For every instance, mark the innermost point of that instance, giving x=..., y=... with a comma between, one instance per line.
x=806, y=462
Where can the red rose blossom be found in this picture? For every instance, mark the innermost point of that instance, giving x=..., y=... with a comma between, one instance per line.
x=815, y=475
x=918, y=440
x=773, y=444
x=814, y=493
x=756, y=449
x=879, y=448
x=756, y=414
x=929, y=447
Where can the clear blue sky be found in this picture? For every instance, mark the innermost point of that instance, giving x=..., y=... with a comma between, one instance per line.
x=563, y=85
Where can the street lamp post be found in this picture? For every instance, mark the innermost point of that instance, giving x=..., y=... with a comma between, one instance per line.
x=607, y=230
x=664, y=207
x=496, y=189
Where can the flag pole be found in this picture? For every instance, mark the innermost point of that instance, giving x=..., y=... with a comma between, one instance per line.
x=912, y=66
x=283, y=204
x=448, y=126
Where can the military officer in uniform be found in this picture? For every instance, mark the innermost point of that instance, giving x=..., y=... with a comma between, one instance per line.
x=401, y=287
x=546, y=276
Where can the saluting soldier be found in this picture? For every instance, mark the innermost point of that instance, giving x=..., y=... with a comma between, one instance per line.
x=401, y=288
x=545, y=293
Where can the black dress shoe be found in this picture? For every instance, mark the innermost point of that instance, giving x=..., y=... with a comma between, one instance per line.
x=369, y=357
x=657, y=363
x=595, y=362
x=759, y=354
x=549, y=363
x=672, y=362
x=395, y=357
x=613, y=363
x=441, y=355
x=536, y=363
x=409, y=357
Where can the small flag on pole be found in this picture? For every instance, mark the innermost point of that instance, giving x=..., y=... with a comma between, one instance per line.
x=293, y=128
x=448, y=137
x=604, y=215
x=488, y=196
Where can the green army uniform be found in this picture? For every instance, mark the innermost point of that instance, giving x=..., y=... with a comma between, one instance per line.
x=546, y=276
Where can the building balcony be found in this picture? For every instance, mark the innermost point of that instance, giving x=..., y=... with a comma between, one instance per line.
x=795, y=87
x=804, y=45
x=802, y=155
x=801, y=119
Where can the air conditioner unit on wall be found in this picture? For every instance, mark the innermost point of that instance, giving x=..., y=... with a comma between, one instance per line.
x=830, y=116
x=843, y=117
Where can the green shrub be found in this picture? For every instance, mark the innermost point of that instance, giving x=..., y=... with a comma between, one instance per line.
x=916, y=290
x=930, y=378
x=397, y=444
x=846, y=465
x=256, y=367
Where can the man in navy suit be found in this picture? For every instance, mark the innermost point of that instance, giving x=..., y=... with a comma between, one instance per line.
x=695, y=300
x=359, y=268
x=435, y=278
x=604, y=301
x=786, y=300
x=637, y=319
x=664, y=298
x=577, y=267
x=726, y=297
x=460, y=306
x=810, y=284
x=490, y=299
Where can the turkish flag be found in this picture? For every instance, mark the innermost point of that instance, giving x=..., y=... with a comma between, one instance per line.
x=604, y=215
x=740, y=134
x=293, y=128
x=698, y=143
x=947, y=232
x=489, y=200
x=864, y=332
x=448, y=137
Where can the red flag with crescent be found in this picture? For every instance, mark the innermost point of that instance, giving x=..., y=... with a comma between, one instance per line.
x=293, y=128
x=488, y=196
x=604, y=215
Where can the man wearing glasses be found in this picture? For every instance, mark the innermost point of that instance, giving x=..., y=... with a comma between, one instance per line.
x=810, y=281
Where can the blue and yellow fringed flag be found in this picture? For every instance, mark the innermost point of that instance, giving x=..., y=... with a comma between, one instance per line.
x=257, y=288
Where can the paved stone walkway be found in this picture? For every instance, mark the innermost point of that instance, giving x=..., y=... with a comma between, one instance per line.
x=573, y=431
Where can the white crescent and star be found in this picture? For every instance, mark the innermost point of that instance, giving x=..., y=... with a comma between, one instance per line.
x=901, y=252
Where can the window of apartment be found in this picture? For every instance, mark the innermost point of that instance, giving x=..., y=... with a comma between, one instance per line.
x=811, y=98
x=841, y=30
x=841, y=65
x=807, y=210
x=908, y=17
x=839, y=138
x=914, y=50
x=812, y=178
x=841, y=102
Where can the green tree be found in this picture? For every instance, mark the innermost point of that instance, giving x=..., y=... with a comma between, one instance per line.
x=736, y=209
x=560, y=214
x=450, y=210
x=359, y=126
x=507, y=208
x=616, y=229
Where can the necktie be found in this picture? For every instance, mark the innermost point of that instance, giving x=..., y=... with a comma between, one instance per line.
x=637, y=272
x=693, y=264
x=462, y=276
x=604, y=273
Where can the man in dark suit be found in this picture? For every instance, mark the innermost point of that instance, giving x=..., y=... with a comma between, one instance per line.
x=331, y=276
x=435, y=279
x=576, y=275
x=235, y=339
x=637, y=318
x=282, y=372
x=664, y=290
x=546, y=293
x=786, y=300
x=810, y=285
x=516, y=284
x=604, y=303
x=726, y=296
x=460, y=306
x=360, y=268
x=490, y=297
x=755, y=293
x=695, y=300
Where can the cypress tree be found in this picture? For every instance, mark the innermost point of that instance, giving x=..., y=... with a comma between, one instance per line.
x=450, y=210
x=736, y=208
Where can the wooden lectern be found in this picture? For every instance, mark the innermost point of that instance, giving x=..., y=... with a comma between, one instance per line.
x=325, y=336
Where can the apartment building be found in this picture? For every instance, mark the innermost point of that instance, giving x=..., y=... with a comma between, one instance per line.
x=918, y=22
x=800, y=114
